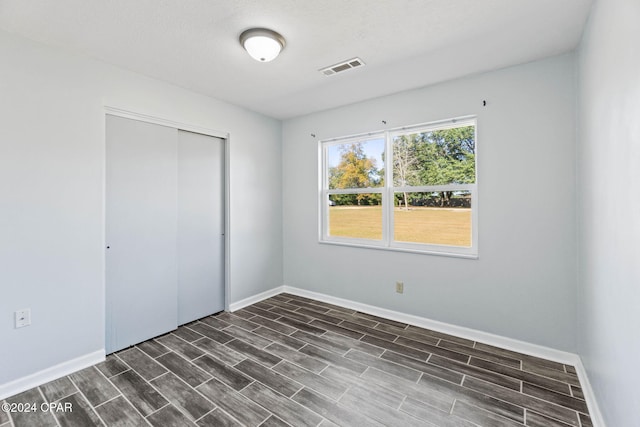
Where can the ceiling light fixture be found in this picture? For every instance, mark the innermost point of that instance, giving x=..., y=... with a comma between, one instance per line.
x=262, y=44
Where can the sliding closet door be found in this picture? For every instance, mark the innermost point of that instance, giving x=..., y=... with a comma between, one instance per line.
x=200, y=226
x=141, y=231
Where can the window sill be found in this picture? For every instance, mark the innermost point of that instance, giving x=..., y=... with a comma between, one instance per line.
x=399, y=249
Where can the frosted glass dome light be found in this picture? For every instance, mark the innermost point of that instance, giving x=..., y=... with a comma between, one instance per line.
x=262, y=44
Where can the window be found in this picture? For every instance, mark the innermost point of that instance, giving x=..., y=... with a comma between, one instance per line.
x=411, y=189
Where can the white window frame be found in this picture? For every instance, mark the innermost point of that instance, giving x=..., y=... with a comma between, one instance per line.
x=388, y=190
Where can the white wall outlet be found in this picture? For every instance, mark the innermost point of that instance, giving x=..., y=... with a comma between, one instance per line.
x=399, y=287
x=23, y=318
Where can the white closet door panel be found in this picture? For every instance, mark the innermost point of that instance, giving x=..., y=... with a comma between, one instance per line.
x=141, y=231
x=200, y=226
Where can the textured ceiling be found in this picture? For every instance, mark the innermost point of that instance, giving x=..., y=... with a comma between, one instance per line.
x=405, y=43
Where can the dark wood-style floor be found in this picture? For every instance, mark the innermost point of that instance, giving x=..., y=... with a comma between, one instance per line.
x=294, y=361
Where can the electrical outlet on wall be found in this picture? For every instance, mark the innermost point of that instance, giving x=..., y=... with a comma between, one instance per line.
x=399, y=287
x=23, y=318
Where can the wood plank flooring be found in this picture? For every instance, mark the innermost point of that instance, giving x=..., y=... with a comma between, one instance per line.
x=294, y=361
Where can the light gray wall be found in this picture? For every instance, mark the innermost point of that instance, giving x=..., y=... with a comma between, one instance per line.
x=523, y=285
x=52, y=156
x=609, y=207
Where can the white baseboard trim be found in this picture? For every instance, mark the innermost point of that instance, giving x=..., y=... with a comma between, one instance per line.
x=255, y=298
x=474, y=335
x=42, y=377
x=594, y=409
x=459, y=331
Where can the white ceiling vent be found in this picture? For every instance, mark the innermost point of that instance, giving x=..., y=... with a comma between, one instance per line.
x=342, y=66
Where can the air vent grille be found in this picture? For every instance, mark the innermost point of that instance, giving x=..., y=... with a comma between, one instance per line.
x=349, y=64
